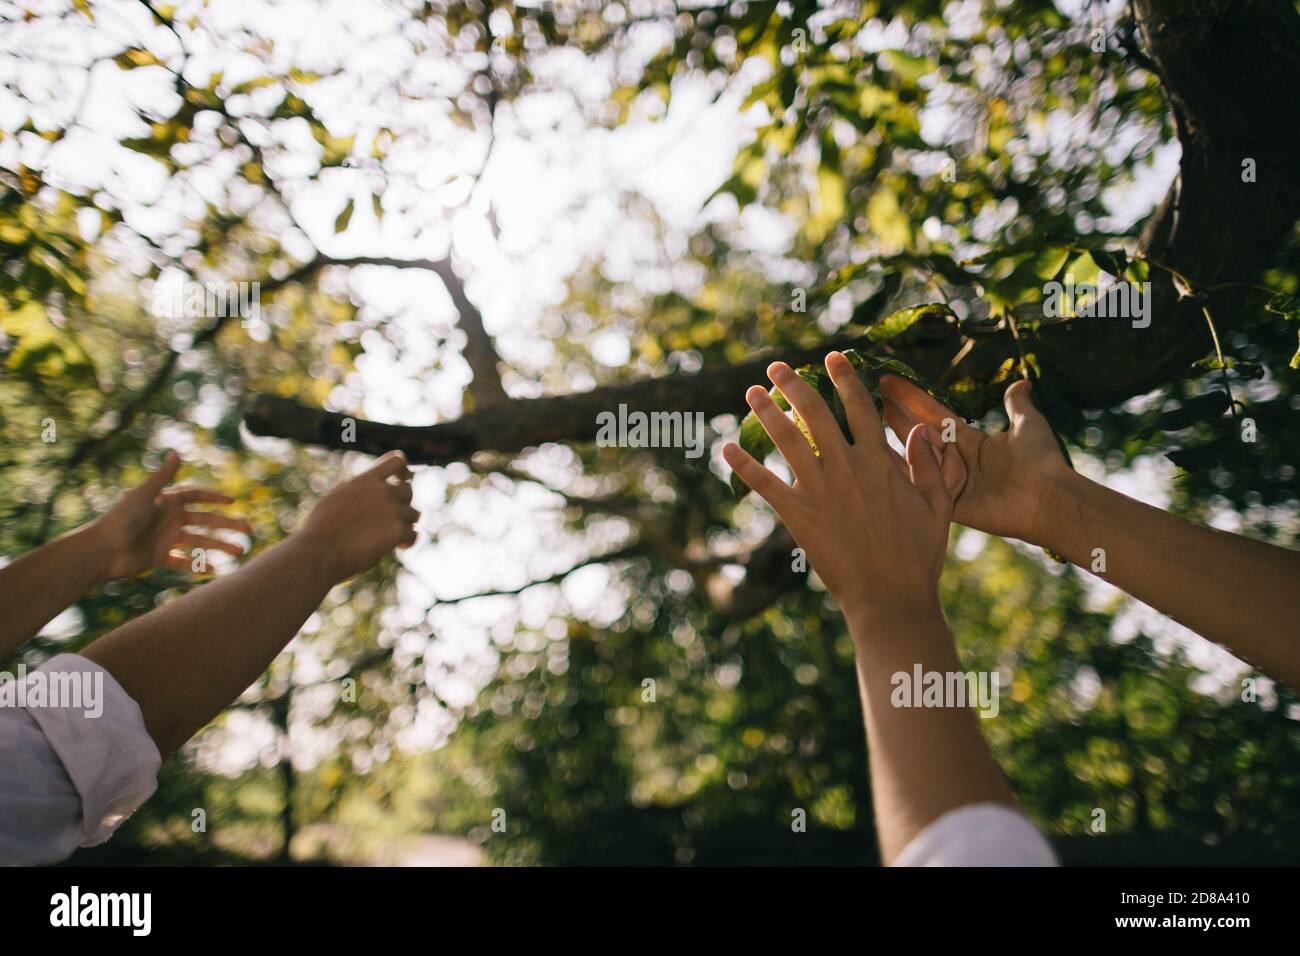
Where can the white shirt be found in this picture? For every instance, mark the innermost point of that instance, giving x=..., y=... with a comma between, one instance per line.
x=978, y=834
x=68, y=779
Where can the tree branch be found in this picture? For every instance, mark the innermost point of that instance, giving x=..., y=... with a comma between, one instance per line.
x=1228, y=67
x=523, y=423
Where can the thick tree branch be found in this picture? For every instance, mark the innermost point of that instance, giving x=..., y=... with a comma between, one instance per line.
x=480, y=352
x=1230, y=69
x=524, y=423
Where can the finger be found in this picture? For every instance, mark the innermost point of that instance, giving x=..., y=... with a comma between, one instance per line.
x=157, y=481
x=916, y=400
x=812, y=408
x=925, y=472
x=188, y=495
x=408, y=538
x=402, y=492
x=785, y=434
x=190, y=539
x=1020, y=405
x=178, y=562
x=409, y=515
x=759, y=478
x=214, y=519
x=859, y=407
x=951, y=463
x=900, y=418
x=391, y=464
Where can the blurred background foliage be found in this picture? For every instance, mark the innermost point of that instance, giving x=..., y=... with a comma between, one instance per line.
x=911, y=151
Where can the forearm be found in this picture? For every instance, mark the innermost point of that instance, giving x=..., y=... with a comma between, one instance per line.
x=925, y=761
x=187, y=661
x=1228, y=588
x=36, y=587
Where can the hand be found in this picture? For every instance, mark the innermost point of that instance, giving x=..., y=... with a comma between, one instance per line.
x=1001, y=483
x=361, y=520
x=874, y=527
x=152, y=521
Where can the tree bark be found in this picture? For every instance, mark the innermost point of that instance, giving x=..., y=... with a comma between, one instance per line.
x=1231, y=72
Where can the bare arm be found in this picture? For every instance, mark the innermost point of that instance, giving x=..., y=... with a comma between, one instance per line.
x=185, y=662
x=36, y=587
x=1230, y=589
x=142, y=531
x=925, y=761
x=880, y=556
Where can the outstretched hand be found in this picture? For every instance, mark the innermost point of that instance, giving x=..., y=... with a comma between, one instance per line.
x=154, y=526
x=999, y=483
x=362, y=519
x=875, y=527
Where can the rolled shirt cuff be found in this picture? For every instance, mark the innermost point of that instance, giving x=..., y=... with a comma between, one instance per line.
x=98, y=733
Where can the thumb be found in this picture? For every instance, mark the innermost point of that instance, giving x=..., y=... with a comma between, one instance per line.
x=1020, y=405
x=924, y=467
x=159, y=480
x=392, y=463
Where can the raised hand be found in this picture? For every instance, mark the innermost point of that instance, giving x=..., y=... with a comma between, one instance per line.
x=1003, y=483
x=154, y=526
x=362, y=519
x=874, y=528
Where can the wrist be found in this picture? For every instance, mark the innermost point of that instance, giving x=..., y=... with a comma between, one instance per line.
x=96, y=548
x=322, y=552
x=1056, y=513
x=884, y=620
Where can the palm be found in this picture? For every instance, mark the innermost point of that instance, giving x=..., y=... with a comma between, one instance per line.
x=986, y=478
x=993, y=478
x=152, y=526
x=150, y=530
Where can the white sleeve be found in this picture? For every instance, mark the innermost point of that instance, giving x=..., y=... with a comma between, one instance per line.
x=71, y=769
x=979, y=834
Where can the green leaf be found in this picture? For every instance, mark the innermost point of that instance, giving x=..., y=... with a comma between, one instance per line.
x=1207, y=406
x=899, y=322
x=1211, y=363
x=135, y=56
x=1202, y=456
x=1288, y=306
x=754, y=437
x=42, y=351
x=344, y=217
x=907, y=66
x=1113, y=262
